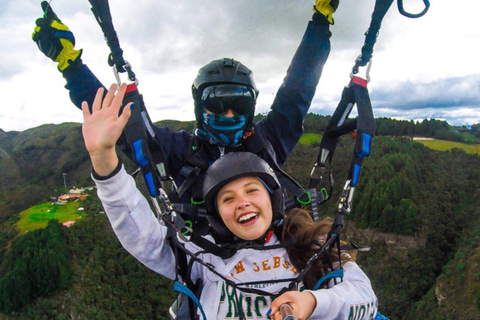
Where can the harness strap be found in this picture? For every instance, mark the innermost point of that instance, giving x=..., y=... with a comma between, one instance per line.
x=285, y=180
x=365, y=129
x=138, y=132
x=212, y=248
x=379, y=11
x=380, y=316
x=356, y=93
x=101, y=11
x=184, y=290
x=191, y=175
x=314, y=196
x=139, y=135
x=333, y=274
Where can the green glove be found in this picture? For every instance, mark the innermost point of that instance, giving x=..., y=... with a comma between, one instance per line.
x=327, y=8
x=54, y=38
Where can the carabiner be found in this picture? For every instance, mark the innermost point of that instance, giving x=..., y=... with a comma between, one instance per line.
x=117, y=76
x=128, y=68
x=357, y=66
x=345, y=201
x=413, y=15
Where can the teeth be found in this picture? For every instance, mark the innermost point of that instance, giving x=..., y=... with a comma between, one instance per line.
x=247, y=217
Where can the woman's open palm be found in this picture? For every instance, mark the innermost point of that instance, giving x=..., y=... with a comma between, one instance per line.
x=103, y=126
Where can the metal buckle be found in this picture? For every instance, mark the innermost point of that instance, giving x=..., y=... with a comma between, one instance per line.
x=345, y=202
x=357, y=67
x=127, y=67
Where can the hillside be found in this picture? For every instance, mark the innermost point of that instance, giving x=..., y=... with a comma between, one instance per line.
x=416, y=207
x=33, y=161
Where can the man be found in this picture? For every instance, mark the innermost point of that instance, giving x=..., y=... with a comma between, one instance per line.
x=224, y=94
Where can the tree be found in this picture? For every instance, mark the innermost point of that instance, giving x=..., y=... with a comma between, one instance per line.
x=37, y=265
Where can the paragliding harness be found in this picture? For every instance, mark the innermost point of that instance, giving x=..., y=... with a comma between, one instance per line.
x=149, y=155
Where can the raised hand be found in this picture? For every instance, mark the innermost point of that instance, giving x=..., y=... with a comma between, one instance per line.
x=54, y=39
x=327, y=8
x=103, y=126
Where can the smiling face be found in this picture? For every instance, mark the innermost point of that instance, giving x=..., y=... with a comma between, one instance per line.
x=245, y=207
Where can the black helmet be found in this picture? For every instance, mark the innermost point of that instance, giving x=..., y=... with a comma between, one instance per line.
x=224, y=84
x=232, y=166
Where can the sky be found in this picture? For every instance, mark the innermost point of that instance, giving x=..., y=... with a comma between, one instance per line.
x=421, y=68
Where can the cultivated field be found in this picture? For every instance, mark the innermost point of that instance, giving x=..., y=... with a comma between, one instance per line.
x=38, y=216
x=442, y=145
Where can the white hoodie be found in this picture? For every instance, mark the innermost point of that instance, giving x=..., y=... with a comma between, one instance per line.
x=144, y=237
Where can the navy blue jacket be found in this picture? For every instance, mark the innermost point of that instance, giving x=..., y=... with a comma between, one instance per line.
x=282, y=127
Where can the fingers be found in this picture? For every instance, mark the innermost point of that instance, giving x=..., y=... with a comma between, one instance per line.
x=85, y=110
x=97, y=102
x=45, y=5
x=302, y=304
x=41, y=22
x=112, y=99
x=107, y=101
x=276, y=306
x=283, y=314
x=118, y=99
x=48, y=11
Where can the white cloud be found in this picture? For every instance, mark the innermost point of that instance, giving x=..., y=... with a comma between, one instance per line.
x=166, y=42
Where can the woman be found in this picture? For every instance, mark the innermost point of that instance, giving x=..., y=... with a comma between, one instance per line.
x=245, y=204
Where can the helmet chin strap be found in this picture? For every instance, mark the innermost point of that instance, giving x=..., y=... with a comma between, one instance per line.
x=271, y=229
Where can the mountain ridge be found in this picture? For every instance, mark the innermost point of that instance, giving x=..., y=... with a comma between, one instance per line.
x=417, y=266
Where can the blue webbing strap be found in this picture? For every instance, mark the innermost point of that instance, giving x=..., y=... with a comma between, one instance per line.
x=139, y=135
x=365, y=127
x=355, y=94
x=380, y=316
x=183, y=289
x=334, y=274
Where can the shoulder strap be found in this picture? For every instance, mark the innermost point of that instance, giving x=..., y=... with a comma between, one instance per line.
x=140, y=136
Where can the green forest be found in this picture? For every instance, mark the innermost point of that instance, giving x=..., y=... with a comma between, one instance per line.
x=417, y=208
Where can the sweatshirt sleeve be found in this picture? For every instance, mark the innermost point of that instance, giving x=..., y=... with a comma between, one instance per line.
x=134, y=223
x=353, y=298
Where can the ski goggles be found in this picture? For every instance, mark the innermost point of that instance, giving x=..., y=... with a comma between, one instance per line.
x=223, y=97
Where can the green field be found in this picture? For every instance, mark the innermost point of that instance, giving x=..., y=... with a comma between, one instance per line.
x=38, y=216
x=442, y=145
x=310, y=138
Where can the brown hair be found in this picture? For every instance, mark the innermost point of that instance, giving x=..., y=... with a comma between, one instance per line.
x=309, y=237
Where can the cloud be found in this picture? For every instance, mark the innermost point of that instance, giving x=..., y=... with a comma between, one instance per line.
x=455, y=100
x=444, y=93
x=454, y=116
x=430, y=59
